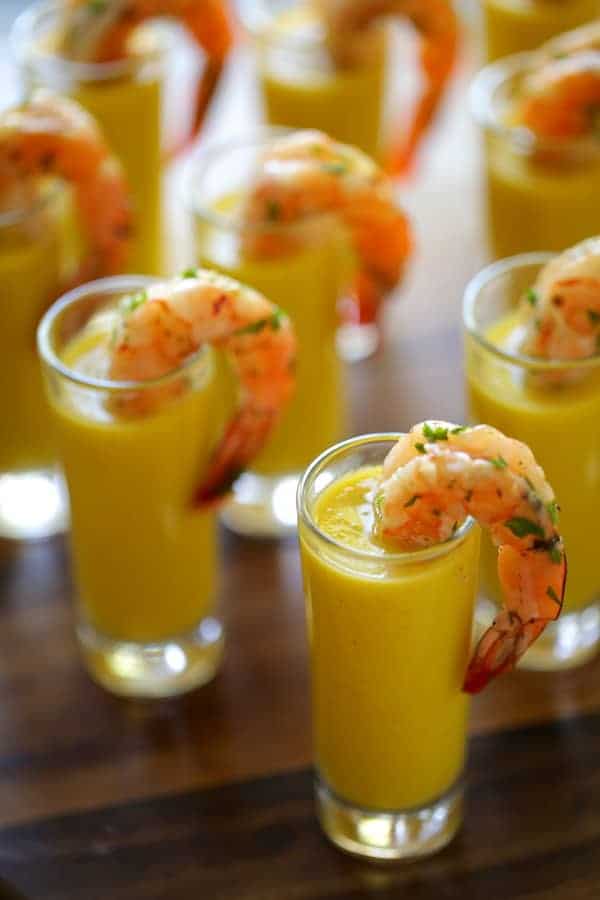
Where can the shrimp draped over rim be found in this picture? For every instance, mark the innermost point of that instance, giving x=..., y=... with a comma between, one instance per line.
x=160, y=329
x=305, y=176
x=440, y=473
x=50, y=136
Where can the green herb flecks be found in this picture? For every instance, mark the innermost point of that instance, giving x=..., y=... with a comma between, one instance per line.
x=435, y=434
x=532, y=296
x=555, y=554
x=420, y=447
x=273, y=211
x=552, y=594
x=189, y=273
x=335, y=168
x=98, y=6
x=553, y=510
x=459, y=429
x=378, y=503
x=499, y=462
x=593, y=316
x=521, y=527
x=273, y=322
x=131, y=303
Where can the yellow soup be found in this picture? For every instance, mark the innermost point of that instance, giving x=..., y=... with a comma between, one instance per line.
x=512, y=26
x=389, y=646
x=144, y=558
x=562, y=427
x=129, y=112
x=532, y=206
x=29, y=279
x=302, y=89
x=307, y=285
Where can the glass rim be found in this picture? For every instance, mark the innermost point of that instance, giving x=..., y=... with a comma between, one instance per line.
x=402, y=557
x=533, y=363
x=25, y=52
x=197, y=168
x=481, y=91
x=20, y=214
x=111, y=285
x=256, y=19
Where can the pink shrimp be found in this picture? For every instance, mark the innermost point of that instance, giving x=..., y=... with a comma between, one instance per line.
x=170, y=321
x=100, y=30
x=565, y=317
x=437, y=26
x=306, y=174
x=439, y=474
x=52, y=136
x=561, y=98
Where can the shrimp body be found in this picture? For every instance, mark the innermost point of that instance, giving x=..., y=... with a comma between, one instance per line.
x=170, y=321
x=561, y=99
x=100, y=31
x=307, y=174
x=49, y=135
x=439, y=474
x=565, y=323
x=437, y=26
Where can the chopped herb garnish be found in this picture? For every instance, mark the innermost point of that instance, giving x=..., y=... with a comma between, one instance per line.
x=189, y=273
x=131, y=303
x=335, y=168
x=378, y=502
x=273, y=211
x=499, y=462
x=532, y=297
x=412, y=501
x=276, y=319
x=98, y=6
x=521, y=527
x=459, y=429
x=553, y=509
x=552, y=594
x=435, y=434
x=420, y=447
x=593, y=316
x=555, y=554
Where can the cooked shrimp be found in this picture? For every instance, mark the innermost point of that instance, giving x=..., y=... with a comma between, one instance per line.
x=306, y=174
x=170, y=321
x=561, y=99
x=565, y=301
x=437, y=26
x=100, y=31
x=439, y=474
x=49, y=135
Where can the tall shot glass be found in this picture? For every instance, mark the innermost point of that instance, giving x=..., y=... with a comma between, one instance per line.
x=144, y=558
x=560, y=420
x=389, y=636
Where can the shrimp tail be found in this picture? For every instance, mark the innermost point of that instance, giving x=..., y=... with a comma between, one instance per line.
x=510, y=635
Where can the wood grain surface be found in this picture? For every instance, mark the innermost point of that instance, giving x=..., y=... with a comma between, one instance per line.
x=210, y=796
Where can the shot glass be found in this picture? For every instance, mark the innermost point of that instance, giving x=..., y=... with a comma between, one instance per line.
x=389, y=636
x=144, y=558
x=560, y=420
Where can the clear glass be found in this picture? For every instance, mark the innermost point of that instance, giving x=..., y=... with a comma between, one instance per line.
x=307, y=280
x=513, y=26
x=540, y=196
x=144, y=558
x=143, y=104
x=301, y=88
x=389, y=637
x=32, y=501
x=561, y=424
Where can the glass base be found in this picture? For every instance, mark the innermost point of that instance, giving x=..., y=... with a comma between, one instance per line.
x=33, y=505
x=390, y=835
x=153, y=670
x=355, y=342
x=262, y=507
x=567, y=643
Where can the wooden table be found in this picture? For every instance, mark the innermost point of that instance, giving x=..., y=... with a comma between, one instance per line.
x=210, y=796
